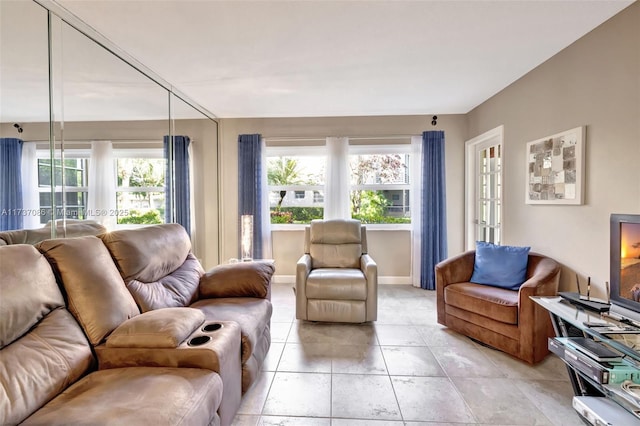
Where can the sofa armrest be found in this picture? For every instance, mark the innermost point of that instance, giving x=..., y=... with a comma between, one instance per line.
x=543, y=277
x=370, y=269
x=303, y=269
x=244, y=279
x=535, y=327
x=457, y=269
x=160, y=328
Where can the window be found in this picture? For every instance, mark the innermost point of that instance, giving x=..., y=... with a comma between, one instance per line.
x=70, y=199
x=296, y=184
x=140, y=190
x=140, y=175
x=489, y=190
x=380, y=183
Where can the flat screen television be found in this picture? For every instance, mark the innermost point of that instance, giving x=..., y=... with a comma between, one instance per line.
x=625, y=266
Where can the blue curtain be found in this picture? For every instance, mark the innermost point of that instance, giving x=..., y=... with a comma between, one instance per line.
x=434, y=212
x=11, y=184
x=250, y=184
x=179, y=186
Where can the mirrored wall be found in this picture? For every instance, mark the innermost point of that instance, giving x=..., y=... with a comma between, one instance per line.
x=89, y=136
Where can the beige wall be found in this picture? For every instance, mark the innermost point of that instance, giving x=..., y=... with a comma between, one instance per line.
x=391, y=249
x=596, y=83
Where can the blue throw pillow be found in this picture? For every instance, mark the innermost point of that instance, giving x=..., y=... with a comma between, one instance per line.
x=500, y=266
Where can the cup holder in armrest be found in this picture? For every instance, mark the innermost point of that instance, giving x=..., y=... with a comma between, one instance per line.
x=214, y=326
x=200, y=340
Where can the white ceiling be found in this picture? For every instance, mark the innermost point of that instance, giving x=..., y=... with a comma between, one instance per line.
x=341, y=58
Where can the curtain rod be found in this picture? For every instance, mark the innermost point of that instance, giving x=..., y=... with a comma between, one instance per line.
x=316, y=138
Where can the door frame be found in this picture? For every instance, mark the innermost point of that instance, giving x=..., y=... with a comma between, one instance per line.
x=472, y=146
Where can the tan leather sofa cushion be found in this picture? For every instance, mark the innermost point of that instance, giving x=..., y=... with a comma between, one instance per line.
x=162, y=328
x=96, y=294
x=138, y=396
x=156, y=264
x=39, y=365
x=28, y=291
x=43, y=347
x=17, y=236
x=149, y=253
x=179, y=288
x=245, y=279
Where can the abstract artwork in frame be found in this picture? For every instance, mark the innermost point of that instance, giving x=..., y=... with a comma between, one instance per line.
x=555, y=168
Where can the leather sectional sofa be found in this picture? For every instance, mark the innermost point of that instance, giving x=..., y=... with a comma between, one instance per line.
x=126, y=328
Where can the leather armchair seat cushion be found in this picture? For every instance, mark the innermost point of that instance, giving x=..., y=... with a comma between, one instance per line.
x=161, y=328
x=496, y=303
x=337, y=283
x=136, y=396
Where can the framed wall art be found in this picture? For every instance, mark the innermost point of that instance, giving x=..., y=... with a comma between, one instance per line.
x=555, y=166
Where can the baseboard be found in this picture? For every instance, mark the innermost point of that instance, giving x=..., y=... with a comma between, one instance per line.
x=291, y=279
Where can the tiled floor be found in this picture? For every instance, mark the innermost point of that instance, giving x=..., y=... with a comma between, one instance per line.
x=404, y=369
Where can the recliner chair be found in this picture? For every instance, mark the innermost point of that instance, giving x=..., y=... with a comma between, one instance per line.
x=336, y=279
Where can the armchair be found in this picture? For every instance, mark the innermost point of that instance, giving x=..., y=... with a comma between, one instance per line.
x=336, y=280
x=507, y=320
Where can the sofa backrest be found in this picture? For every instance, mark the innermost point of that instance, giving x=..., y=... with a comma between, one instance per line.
x=97, y=296
x=72, y=228
x=156, y=264
x=336, y=243
x=42, y=348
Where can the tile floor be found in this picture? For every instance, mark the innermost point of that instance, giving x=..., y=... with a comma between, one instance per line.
x=404, y=369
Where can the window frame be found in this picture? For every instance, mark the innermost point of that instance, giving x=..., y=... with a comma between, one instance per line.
x=85, y=154
x=74, y=154
x=293, y=151
x=145, y=153
x=385, y=149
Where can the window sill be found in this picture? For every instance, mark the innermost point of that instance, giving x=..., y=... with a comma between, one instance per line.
x=370, y=227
